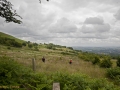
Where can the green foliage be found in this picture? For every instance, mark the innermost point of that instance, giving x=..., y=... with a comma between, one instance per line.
x=101, y=84
x=118, y=62
x=9, y=42
x=36, y=48
x=106, y=63
x=24, y=44
x=81, y=82
x=8, y=47
x=4, y=35
x=96, y=61
x=50, y=46
x=88, y=56
x=70, y=48
x=30, y=45
x=12, y=73
x=53, y=46
x=35, y=44
x=7, y=12
x=114, y=74
x=66, y=53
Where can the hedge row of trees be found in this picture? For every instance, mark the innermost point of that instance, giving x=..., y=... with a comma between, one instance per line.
x=54, y=47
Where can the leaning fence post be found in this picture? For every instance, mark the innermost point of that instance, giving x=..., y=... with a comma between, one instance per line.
x=56, y=86
x=33, y=64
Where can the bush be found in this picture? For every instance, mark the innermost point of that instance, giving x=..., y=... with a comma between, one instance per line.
x=96, y=60
x=30, y=45
x=106, y=63
x=10, y=71
x=14, y=74
x=24, y=44
x=81, y=82
x=118, y=62
x=113, y=72
x=8, y=47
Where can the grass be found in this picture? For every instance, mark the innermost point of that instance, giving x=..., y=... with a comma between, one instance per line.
x=11, y=37
x=55, y=61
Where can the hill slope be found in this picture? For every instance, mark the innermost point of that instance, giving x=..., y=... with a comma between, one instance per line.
x=11, y=37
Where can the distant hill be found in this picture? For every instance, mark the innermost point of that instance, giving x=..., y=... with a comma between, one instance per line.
x=11, y=37
x=100, y=50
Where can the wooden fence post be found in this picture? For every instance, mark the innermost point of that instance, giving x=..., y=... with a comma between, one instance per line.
x=33, y=64
x=56, y=86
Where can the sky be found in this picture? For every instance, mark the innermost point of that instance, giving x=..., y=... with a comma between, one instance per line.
x=66, y=22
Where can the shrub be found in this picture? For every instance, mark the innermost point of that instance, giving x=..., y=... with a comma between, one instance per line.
x=118, y=62
x=113, y=72
x=24, y=44
x=30, y=45
x=10, y=71
x=96, y=60
x=106, y=63
x=8, y=47
x=81, y=82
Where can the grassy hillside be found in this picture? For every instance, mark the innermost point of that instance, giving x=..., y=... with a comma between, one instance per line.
x=11, y=37
x=57, y=60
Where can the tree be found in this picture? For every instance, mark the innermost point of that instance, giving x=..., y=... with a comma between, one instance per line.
x=7, y=12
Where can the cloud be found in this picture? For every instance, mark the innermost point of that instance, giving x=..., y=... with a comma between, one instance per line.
x=95, y=28
x=63, y=26
x=95, y=25
x=93, y=20
x=117, y=15
x=67, y=22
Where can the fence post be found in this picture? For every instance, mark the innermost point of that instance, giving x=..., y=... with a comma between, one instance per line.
x=33, y=64
x=56, y=86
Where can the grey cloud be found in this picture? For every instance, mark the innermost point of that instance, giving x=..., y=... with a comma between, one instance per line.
x=41, y=24
x=95, y=28
x=63, y=26
x=95, y=25
x=69, y=5
x=73, y=4
x=117, y=15
x=102, y=28
x=93, y=20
